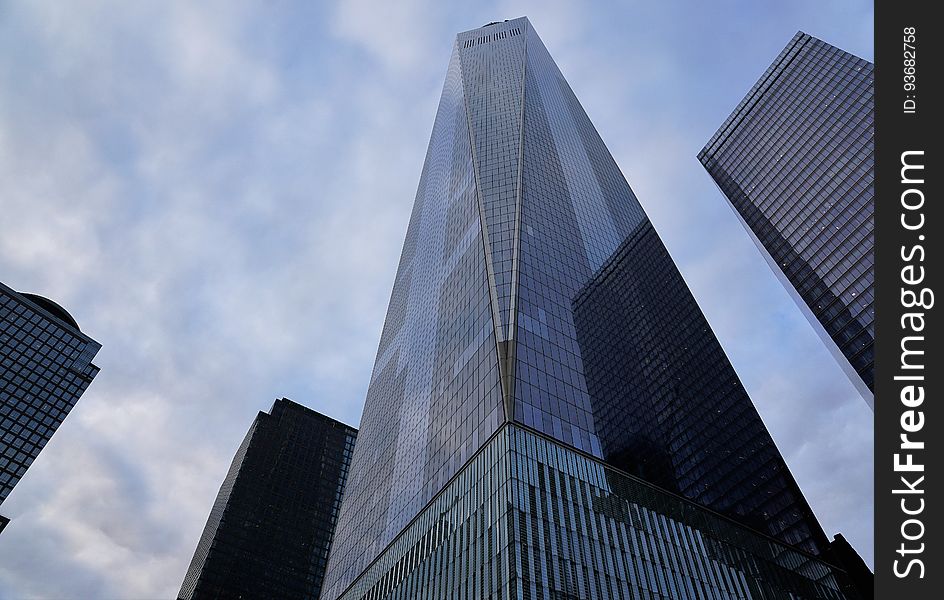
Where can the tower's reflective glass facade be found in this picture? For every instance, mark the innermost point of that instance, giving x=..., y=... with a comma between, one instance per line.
x=270, y=530
x=535, y=304
x=795, y=159
x=531, y=518
x=45, y=366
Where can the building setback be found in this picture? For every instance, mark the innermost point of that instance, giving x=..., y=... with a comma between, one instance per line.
x=271, y=527
x=45, y=367
x=795, y=160
x=549, y=414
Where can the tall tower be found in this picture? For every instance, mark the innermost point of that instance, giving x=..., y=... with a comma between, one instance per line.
x=542, y=364
x=271, y=527
x=45, y=367
x=795, y=159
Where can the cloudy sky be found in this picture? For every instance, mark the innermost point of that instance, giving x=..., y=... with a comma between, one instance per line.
x=218, y=192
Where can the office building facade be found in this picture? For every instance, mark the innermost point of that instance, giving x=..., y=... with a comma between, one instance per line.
x=795, y=160
x=45, y=367
x=549, y=414
x=270, y=530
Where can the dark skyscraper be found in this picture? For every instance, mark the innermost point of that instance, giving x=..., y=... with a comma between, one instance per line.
x=270, y=529
x=541, y=360
x=45, y=366
x=795, y=160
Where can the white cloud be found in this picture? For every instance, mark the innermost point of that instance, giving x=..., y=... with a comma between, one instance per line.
x=397, y=34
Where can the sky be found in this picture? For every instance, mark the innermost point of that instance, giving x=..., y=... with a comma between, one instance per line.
x=218, y=192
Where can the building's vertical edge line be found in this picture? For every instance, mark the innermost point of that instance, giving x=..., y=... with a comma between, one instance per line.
x=834, y=350
x=516, y=248
x=489, y=268
x=194, y=574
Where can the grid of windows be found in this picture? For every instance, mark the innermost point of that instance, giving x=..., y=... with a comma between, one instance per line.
x=614, y=357
x=530, y=518
x=45, y=366
x=435, y=392
x=668, y=406
x=522, y=229
x=795, y=160
x=271, y=528
x=492, y=84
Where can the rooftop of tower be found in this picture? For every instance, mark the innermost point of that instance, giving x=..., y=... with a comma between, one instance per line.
x=494, y=24
x=52, y=308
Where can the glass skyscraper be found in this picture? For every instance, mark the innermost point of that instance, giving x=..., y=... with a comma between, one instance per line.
x=795, y=160
x=271, y=527
x=549, y=414
x=45, y=366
